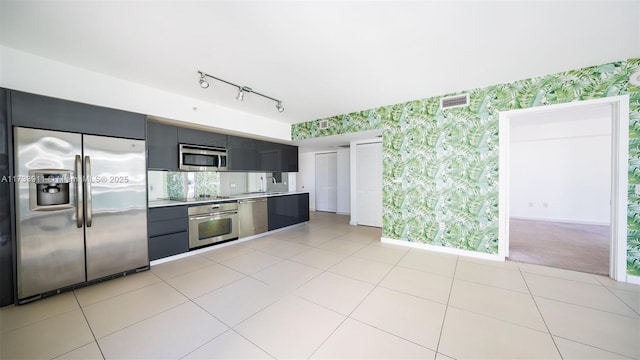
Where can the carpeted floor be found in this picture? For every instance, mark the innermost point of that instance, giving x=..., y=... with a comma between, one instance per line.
x=577, y=247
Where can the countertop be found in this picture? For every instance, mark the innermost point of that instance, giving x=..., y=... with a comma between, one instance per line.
x=163, y=203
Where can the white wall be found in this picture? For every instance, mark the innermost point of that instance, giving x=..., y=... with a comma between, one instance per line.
x=306, y=179
x=561, y=171
x=34, y=74
x=344, y=185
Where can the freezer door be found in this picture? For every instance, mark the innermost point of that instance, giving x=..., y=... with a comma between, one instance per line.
x=115, y=205
x=50, y=245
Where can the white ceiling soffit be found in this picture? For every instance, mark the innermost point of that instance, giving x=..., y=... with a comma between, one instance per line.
x=336, y=142
x=578, y=113
x=323, y=58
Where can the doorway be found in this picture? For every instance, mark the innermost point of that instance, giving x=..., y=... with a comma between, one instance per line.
x=618, y=108
x=326, y=174
x=368, y=184
x=560, y=188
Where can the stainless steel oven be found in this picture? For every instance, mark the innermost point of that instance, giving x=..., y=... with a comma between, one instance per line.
x=202, y=158
x=212, y=223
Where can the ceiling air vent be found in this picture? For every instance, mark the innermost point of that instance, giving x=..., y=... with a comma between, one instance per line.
x=454, y=101
x=324, y=124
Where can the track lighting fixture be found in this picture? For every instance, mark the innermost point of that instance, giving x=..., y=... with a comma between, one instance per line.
x=242, y=90
x=203, y=82
x=240, y=96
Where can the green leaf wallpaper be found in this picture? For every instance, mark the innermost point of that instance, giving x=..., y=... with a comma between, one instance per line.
x=440, y=171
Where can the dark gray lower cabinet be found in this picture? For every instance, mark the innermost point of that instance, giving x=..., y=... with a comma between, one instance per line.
x=287, y=210
x=168, y=231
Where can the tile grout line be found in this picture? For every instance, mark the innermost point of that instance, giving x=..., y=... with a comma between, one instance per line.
x=291, y=293
x=562, y=337
x=446, y=308
x=89, y=326
x=590, y=308
x=619, y=298
x=375, y=286
x=348, y=316
x=544, y=321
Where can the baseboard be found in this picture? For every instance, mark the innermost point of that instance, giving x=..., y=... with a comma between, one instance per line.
x=633, y=279
x=442, y=249
x=560, y=220
x=342, y=213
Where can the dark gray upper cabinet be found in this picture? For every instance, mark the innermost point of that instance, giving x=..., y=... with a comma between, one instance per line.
x=276, y=157
x=289, y=158
x=42, y=112
x=162, y=146
x=269, y=156
x=242, y=154
x=199, y=137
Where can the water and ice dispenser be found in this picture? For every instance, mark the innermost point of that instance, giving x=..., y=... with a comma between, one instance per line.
x=50, y=189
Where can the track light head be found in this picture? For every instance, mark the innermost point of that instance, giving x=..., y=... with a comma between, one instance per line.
x=241, y=89
x=203, y=82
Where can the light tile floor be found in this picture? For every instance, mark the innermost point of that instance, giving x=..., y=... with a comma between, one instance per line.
x=324, y=290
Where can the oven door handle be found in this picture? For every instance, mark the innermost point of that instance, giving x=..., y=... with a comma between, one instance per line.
x=211, y=216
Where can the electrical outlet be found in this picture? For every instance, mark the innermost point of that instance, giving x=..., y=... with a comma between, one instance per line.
x=150, y=187
x=232, y=185
x=545, y=205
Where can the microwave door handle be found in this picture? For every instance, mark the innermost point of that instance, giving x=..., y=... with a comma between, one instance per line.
x=78, y=184
x=87, y=190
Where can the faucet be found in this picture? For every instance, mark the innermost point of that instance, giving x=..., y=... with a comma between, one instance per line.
x=273, y=179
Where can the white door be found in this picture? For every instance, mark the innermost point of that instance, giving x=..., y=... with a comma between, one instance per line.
x=369, y=184
x=327, y=182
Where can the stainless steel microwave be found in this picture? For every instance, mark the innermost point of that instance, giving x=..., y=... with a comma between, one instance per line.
x=202, y=158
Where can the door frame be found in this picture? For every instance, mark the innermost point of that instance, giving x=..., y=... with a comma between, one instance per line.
x=619, y=175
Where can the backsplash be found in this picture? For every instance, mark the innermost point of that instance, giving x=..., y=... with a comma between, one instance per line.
x=182, y=185
x=203, y=184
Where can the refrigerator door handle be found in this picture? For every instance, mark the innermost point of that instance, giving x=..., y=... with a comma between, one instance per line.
x=79, y=201
x=87, y=189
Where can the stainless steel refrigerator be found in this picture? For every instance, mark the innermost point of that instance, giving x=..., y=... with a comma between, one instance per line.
x=81, y=211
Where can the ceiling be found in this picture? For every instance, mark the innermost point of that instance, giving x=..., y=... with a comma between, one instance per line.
x=323, y=58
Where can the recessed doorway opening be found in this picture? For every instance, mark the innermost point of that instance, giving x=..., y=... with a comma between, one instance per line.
x=563, y=188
